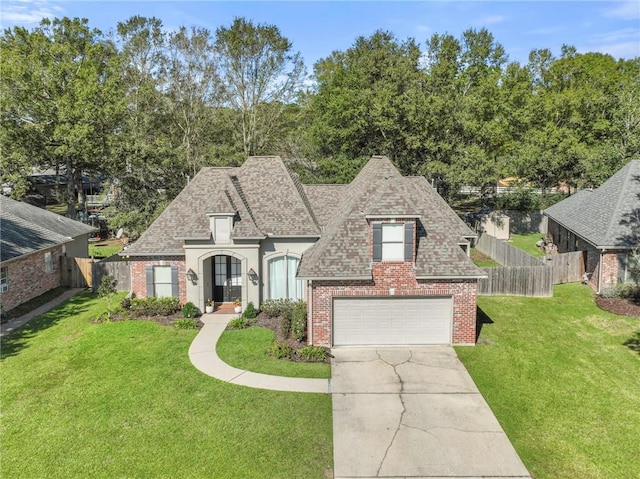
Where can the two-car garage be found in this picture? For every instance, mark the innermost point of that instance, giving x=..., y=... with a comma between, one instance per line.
x=359, y=321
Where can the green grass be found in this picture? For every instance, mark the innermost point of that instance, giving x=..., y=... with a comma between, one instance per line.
x=561, y=382
x=122, y=400
x=98, y=251
x=247, y=349
x=58, y=208
x=527, y=243
x=482, y=260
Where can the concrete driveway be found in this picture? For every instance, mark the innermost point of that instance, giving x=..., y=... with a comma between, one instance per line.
x=414, y=413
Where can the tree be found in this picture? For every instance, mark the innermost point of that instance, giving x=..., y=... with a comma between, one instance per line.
x=57, y=99
x=107, y=290
x=262, y=75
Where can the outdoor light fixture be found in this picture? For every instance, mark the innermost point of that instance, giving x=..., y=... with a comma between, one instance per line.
x=253, y=276
x=192, y=276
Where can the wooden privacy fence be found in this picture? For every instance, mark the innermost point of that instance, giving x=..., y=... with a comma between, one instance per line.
x=88, y=273
x=518, y=281
x=524, y=275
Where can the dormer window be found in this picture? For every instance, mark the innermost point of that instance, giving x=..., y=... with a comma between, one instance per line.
x=221, y=226
x=393, y=241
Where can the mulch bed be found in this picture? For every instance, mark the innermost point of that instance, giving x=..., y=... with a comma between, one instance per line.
x=163, y=320
x=623, y=307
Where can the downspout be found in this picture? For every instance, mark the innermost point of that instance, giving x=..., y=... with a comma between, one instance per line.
x=600, y=268
x=309, y=312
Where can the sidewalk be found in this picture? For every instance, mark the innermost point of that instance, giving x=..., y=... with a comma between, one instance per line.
x=16, y=323
x=204, y=357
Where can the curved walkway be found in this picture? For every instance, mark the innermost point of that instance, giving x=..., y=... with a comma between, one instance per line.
x=203, y=355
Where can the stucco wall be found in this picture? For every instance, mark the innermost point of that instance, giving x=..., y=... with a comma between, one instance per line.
x=272, y=248
x=27, y=278
x=78, y=247
x=401, y=277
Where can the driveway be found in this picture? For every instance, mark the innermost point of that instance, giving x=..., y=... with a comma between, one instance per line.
x=414, y=412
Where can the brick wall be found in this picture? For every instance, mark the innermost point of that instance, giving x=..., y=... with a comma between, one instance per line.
x=139, y=275
x=609, y=265
x=402, y=278
x=27, y=277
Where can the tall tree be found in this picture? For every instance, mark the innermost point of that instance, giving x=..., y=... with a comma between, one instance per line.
x=57, y=98
x=262, y=75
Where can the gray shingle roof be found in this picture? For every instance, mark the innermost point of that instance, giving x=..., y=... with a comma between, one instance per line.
x=25, y=229
x=604, y=216
x=378, y=190
x=324, y=199
x=265, y=197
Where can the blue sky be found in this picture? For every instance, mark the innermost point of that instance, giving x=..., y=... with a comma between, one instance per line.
x=317, y=28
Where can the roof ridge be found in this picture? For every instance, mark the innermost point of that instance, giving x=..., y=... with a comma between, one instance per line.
x=235, y=181
x=303, y=195
x=626, y=176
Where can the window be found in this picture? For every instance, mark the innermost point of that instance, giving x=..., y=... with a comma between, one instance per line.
x=48, y=262
x=162, y=281
x=222, y=232
x=393, y=241
x=627, y=269
x=282, y=278
x=4, y=279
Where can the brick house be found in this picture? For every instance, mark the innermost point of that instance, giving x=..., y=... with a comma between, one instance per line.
x=603, y=223
x=32, y=242
x=382, y=260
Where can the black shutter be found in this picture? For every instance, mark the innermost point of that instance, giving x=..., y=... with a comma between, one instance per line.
x=408, y=241
x=150, y=289
x=377, y=242
x=174, y=282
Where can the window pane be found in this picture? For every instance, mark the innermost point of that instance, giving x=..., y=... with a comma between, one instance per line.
x=163, y=290
x=393, y=233
x=236, y=277
x=222, y=229
x=295, y=289
x=162, y=274
x=277, y=278
x=392, y=252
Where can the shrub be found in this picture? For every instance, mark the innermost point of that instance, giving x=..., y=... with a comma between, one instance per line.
x=276, y=307
x=186, y=323
x=299, y=320
x=280, y=350
x=238, y=323
x=312, y=354
x=285, y=324
x=126, y=302
x=250, y=311
x=154, y=306
x=625, y=290
x=189, y=310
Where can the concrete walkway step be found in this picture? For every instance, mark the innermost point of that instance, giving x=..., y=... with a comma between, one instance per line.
x=203, y=355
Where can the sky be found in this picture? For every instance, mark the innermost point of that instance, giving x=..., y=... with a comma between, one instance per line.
x=317, y=28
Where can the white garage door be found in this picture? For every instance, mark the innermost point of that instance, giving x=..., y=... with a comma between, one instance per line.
x=391, y=321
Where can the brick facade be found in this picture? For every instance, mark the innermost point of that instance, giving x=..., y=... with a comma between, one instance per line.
x=28, y=279
x=601, y=266
x=402, y=278
x=139, y=277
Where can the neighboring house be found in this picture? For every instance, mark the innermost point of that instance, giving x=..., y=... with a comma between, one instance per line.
x=32, y=240
x=604, y=223
x=379, y=261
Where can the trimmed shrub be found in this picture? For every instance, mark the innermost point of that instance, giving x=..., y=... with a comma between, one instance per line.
x=280, y=350
x=285, y=324
x=186, y=323
x=276, y=307
x=312, y=354
x=625, y=291
x=189, y=310
x=250, y=311
x=154, y=306
x=238, y=323
x=299, y=321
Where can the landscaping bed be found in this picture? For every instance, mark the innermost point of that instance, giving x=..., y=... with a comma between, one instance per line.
x=621, y=306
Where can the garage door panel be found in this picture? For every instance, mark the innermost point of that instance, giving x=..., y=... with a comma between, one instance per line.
x=391, y=321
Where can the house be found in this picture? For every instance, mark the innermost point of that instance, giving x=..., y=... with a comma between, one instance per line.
x=382, y=260
x=604, y=223
x=32, y=241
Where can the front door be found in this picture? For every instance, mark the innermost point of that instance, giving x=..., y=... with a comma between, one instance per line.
x=227, y=284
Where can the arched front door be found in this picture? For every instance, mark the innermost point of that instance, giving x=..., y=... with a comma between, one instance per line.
x=227, y=279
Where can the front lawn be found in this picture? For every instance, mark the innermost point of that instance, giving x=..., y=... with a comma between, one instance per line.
x=247, y=349
x=122, y=400
x=560, y=380
x=527, y=243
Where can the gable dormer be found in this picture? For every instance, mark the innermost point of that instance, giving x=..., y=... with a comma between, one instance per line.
x=221, y=225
